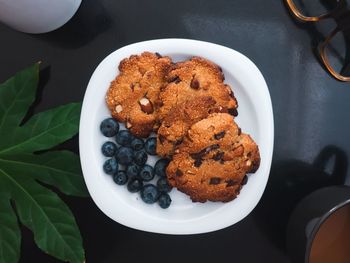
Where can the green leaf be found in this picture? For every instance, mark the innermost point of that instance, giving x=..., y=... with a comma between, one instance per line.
x=53, y=225
x=44, y=130
x=60, y=169
x=24, y=172
x=16, y=95
x=10, y=236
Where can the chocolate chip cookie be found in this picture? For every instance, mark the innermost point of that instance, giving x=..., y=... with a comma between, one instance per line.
x=193, y=78
x=213, y=160
x=180, y=118
x=133, y=97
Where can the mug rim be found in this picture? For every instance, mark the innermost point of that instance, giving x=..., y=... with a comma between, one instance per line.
x=318, y=225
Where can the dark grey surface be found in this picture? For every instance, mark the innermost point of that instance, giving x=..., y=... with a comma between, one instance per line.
x=310, y=111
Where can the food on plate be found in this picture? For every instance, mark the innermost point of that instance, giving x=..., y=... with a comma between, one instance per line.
x=109, y=149
x=164, y=200
x=135, y=185
x=124, y=138
x=147, y=173
x=140, y=157
x=120, y=178
x=109, y=127
x=163, y=185
x=151, y=145
x=127, y=166
x=110, y=166
x=194, y=78
x=149, y=194
x=204, y=153
x=176, y=124
x=160, y=167
x=133, y=97
x=133, y=170
x=212, y=162
x=124, y=155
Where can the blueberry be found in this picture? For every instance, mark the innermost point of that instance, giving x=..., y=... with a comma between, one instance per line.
x=160, y=167
x=120, y=178
x=164, y=200
x=147, y=173
x=140, y=157
x=137, y=144
x=151, y=145
x=109, y=127
x=109, y=149
x=133, y=170
x=110, y=166
x=134, y=185
x=124, y=138
x=163, y=185
x=149, y=194
x=124, y=155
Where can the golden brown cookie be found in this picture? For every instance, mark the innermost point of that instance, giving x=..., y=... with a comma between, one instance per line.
x=212, y=162
x=194, y=78
x=180, y=118
x=133, y=97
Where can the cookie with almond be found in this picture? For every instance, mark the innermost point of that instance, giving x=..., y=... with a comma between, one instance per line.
x=133, y=97
x=194, y=78
x=175, y=125
x=212, y=162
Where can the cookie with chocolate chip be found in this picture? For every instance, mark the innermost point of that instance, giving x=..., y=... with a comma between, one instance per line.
x=133, y=97
x=212, y=162
x=176, y=124
x=194, y=78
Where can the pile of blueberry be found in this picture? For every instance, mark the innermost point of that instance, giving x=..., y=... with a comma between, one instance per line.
x=127, y=164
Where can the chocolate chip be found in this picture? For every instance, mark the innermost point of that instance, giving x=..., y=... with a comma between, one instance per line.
x=132, y=86
x=220, y=68
x=194, y=83
x=205, y=151
x=198, y=155
x=160, y=104
x=233, y=112
x=179, y=172
x=245, y=180
x=212, y=147
x=219, y=135
x=232, y=95
x=238, y=189
x=158, y=55
x=239, y=131
x=214, y=180
x=218, y=156
x=230, y=182
x=198, y=162
x=179, y=141
x=175, y=79
x=161, y=138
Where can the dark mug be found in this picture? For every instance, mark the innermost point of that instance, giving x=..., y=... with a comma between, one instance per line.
x=319, y=227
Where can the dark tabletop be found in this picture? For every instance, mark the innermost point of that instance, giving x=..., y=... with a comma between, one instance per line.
x=310, y=111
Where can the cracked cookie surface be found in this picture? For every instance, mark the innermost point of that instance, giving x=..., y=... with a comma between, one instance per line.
x=212, y=161
x=133, y=97
x=193, y=78
x=176, y=124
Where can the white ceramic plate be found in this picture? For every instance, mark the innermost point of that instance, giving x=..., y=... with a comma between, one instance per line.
x=182, y=217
